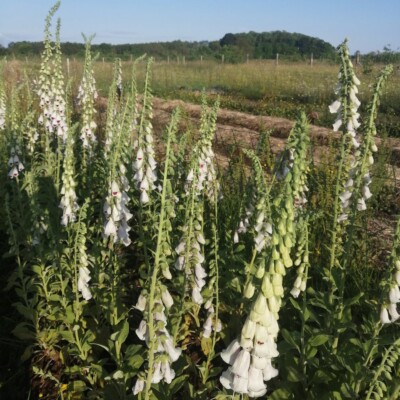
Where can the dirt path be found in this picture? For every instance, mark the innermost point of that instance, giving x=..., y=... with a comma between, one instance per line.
x=243, y=130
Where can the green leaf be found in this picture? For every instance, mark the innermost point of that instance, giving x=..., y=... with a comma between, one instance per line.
x=177, y=383
x=23, y=332
x=289, y=339
x=318, y=340
x=77, y=387
x=123, y=334
x=295, y=304
x=280, y=394
x=294, y=375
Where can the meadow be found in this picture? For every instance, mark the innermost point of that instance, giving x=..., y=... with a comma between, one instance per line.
x=135, y=266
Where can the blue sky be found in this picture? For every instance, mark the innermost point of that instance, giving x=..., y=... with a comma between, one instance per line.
x=369, y=24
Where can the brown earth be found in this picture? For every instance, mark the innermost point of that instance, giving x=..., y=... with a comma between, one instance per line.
x=241, y=129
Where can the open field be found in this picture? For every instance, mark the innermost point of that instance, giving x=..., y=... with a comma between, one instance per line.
x=258, y=87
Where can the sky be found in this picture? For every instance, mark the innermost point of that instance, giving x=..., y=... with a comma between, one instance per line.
x=368, y=24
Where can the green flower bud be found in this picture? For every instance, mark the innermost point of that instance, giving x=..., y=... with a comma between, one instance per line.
x=249, y=290
x=249, y=329
x=266, y=287
x=279, y=267
x=260, y=304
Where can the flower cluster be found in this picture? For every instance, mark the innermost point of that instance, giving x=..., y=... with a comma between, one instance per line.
x=68, y=201
x=116, y=211
x=394, y=298
x=84, y=273
x=14, y=162
x=145, y=165
x=250, y=357
x=87, y=94
x=346, y=107
x=257, y=202
x=165, y=350
x=2, y=110
x=301, y=260
x=212, y=323
x=190, y=253
x=51, y=91
x=391, y=285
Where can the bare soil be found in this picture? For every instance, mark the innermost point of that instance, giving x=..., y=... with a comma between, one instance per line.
x=241, y=129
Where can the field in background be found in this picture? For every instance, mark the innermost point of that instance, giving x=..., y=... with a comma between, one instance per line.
x=257, y=87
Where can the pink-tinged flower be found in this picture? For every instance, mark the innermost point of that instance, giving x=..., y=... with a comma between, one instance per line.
x=200, y=272
x=241, y=364
x=258, y=362
x=256, y=382
x=157, y=375
x=13, y=173
x=110, y=228
x=240, y=384
x=114, y=189
x=230, y=353
x=269, y=371
x=226, y=379
x=167, y=371
x=173, y=352
x=179, y=263
x=196, y=295
x=265, y=348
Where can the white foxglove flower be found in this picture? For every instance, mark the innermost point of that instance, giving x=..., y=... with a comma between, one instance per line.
x=144, y=197
x=173, y=352
x=256, y=382
x=384, y=316
x=141, y=302
x=393, y=312
x=167, y=372
x=230, y=353
x=157, y=374
x=167, y=298
x=241, y=364
x=269, y=371
x=196, y=295
x=337, y=125
x=84, y=278
x=142, y=331
x=139, y=386
x=334, y=107
x=110, y=228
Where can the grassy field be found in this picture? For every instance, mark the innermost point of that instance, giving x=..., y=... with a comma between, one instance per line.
x=258, y=87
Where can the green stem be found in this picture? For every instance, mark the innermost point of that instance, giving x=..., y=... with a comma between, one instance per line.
x=216, y=289
x=154, y=276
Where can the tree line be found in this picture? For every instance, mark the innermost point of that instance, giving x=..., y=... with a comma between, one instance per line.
x=231, y=48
